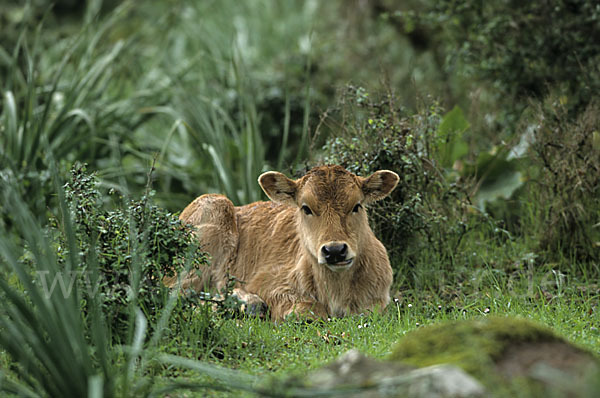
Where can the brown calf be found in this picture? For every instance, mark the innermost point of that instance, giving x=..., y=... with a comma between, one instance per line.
x=309, y=251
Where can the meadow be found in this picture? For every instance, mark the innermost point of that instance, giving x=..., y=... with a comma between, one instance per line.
x=115, y=115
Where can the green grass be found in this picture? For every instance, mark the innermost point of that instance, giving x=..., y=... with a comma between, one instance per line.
x=291, y=349
x=262, y=347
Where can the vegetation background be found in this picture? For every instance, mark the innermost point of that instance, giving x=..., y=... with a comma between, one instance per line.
x=487, y=110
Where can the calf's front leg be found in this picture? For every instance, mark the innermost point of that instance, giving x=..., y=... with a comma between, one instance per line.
x=302, y=309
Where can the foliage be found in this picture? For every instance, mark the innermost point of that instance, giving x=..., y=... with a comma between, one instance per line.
x=425, y=209
x=240, y=95
x=60, y=341
x=544, y=187
x=566, y=159
x=57, y=352
x=157, y=238
x=65, y=97
x=522, y=48
x=495, y=173
x=217, y=101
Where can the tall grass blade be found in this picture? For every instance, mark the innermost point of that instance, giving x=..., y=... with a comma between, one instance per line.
x=286, y=133
x=136, y=350
x=228, y=378
x=301, y=154
x=95, y=387
x=223, y=173
x=45, y=332
x=11, y=132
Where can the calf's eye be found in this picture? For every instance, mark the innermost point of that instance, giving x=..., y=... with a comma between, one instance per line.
x=356, y=208
x=307, y=210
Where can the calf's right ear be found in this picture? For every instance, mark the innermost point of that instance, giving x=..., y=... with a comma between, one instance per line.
x=278, y=187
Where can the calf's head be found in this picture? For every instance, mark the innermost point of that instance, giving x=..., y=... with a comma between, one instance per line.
x=332, y=222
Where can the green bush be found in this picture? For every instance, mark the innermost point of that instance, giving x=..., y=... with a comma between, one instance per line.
x=546, y=195
x=522, y=48
x=564, y=180
x=556, y=206
x=139, y=233
x=426, y=209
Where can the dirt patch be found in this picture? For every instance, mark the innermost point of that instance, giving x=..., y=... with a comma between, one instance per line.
x=519, y=359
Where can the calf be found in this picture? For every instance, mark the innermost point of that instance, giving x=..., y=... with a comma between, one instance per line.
x=309, y=250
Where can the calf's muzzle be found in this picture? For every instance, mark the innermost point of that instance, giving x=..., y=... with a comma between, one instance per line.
x=335, y=252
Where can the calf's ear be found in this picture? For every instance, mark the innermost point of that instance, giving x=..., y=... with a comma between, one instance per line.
x=278, y=187
x=379, y=185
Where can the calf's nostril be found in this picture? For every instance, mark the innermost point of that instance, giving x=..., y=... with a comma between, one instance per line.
x=344, y=250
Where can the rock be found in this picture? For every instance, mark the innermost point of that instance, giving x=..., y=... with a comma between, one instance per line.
x=444, y=381
x=362, y=376
x=354, y=368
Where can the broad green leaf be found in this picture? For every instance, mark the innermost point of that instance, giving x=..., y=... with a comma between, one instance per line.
x=451, y=143
x=454, y=122
x=501, y=187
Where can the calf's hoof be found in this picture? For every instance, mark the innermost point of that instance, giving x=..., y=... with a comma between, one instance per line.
x=251, y=304
x=259, y=310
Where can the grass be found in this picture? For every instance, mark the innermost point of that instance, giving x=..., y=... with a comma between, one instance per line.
x=291, y=349
x=262, y=347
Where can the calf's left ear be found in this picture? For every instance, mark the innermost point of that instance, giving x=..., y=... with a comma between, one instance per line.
x=379, y=185
x=278, y=187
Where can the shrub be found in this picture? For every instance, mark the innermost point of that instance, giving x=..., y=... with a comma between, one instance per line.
x=142, y=233
x=425, y=209
x=565, y=181
x=520, y=47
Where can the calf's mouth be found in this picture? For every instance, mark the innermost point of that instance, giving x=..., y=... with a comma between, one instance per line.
x=340, y=265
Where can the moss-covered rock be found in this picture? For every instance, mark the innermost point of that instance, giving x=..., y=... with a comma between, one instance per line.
x=506, y=354
x=472, y=345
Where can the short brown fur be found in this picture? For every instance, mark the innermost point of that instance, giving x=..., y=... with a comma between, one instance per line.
x=276, y=248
